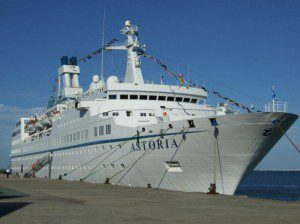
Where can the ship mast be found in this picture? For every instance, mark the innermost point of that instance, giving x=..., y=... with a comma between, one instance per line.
x=102, y=53
x=133, y=69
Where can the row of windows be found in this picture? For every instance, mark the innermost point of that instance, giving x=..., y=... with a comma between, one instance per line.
x=154, y=97
x=70, y=121
x=98, y=131
x=80, y=135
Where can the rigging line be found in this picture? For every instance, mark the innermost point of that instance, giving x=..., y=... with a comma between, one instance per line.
x=117, y=147
x=210, y=79
x=117, y=159
x=183, y=139
x=219, y=157
x=122, y=143
x=140, y=158
x=289, y=139
x=116, y=68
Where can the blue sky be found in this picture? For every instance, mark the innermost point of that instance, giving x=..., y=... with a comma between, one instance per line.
x=245, y=45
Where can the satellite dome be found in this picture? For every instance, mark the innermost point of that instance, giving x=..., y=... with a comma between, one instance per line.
x=127, y=23
x=112, y=79
x=96, y=78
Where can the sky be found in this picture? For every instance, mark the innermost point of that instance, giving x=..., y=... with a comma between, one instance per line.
x=239, y=48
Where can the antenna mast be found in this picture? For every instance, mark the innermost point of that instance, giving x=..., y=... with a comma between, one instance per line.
x=102, y=53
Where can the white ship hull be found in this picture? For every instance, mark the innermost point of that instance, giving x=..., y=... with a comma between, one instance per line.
x=242, y=146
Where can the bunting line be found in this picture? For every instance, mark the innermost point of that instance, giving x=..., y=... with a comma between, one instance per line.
x=180, y=77
x=98, y=51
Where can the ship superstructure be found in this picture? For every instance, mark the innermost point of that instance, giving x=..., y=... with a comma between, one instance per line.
x=138, y=134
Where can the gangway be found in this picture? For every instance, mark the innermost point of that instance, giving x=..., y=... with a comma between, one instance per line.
x=38, y=165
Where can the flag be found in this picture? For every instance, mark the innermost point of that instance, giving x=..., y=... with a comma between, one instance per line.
x=273, y=93
x=181, y=79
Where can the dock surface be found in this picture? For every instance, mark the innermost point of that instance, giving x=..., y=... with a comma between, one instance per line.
x=45, y=201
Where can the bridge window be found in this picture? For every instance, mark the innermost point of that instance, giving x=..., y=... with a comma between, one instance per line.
x=152, y=97
x=170, y=98
x=162, y=98
x=143, y=114
x=133, y=97
x=178, y=99
x=112, y=97
x=123, y=97
x=193, y=100
x=186, y=100
x=115, y=113
x=143, y=97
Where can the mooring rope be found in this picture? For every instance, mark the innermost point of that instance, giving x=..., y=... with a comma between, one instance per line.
x=219, y=158
x=117, y=147
x=121, y=144
x=276, y=123
x=183, y=139
x=118, y=159
x=162, y=134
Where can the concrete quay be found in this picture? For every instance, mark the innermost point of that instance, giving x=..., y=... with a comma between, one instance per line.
x=45, y=201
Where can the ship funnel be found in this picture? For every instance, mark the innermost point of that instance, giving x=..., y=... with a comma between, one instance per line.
x=64, y=60
x=74, y=78
x=70, y=71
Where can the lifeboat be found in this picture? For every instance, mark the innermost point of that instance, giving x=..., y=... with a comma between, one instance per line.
x=38, y=126
x=46, y=122
x=29, y=128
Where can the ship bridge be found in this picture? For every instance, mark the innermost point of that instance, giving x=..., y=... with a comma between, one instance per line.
x=169, y=93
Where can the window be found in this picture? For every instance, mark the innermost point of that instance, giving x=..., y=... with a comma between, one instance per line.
x=133, y=97
x=193, y=100
x=81, y=135
x=122, y=165
x=101, y=130
x=71, y=137
x=115, y=114
x=186, y=100
x=170, y=98
x=112, y=165
x=108, y=129
x=123, y=97
x=143, y=97
x=105, y=114
x=68, y=139
x=86, y=134
x=162, y=98
x=143, y=114
x=151, y=114
x=178, y=99
x=78, y=136
x=152, y=97
x=128, y=113
x=95, y=131
x=74, y=136
x=112, y=97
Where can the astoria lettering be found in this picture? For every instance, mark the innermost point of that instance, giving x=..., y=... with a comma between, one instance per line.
x=158, y=144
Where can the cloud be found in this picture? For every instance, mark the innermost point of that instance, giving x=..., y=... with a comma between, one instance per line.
x=8, y=117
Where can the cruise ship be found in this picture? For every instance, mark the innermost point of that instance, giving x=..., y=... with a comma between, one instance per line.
x=140, y=134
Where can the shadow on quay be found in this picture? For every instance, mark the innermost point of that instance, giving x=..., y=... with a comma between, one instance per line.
x=8, y=207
